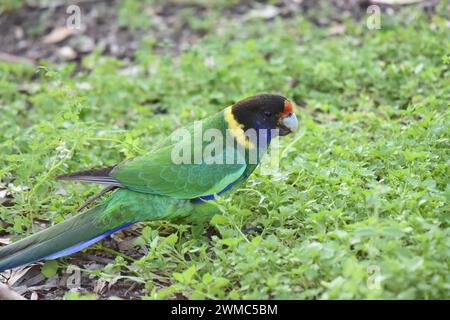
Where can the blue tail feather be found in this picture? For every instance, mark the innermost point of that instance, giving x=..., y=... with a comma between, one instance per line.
x=84, y=244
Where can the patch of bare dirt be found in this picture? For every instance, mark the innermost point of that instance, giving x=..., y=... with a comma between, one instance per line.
x=40, y=32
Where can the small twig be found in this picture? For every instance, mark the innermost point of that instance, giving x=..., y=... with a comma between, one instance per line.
x=117, y=253
x=423, y=3
x=57, y=4
x=91, y=257
x=94, y=197
x=6, y=293
x=7, y=57
x=130, y=288
x=396, y=2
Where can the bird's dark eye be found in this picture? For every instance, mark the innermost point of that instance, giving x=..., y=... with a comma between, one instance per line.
x=268, y=114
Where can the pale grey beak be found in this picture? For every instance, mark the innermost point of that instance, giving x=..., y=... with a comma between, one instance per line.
x=290, y=122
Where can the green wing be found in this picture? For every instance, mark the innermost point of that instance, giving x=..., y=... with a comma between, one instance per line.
x=157, y=173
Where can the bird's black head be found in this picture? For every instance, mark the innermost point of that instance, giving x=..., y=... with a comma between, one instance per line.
x=265, y=111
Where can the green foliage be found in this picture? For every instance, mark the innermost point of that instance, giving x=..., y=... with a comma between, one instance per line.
x=8, y=5
x=50, y=268
x=78, y=296
x=360, y=207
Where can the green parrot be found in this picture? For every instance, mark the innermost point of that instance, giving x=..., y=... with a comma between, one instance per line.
x=175, y=181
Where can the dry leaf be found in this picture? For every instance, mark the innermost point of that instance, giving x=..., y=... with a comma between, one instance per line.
x=17, y=274
x=266, y=12
x=5, y=240
x=57, y=35
x=100, y=284
x=396, y=2
x=67, y=53
x=7, y=293
x=3, y=193
x=335, y=30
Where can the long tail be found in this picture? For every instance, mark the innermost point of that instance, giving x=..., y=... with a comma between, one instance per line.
x=60, y=240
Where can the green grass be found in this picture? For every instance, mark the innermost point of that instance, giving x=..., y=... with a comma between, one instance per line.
x=359, y=208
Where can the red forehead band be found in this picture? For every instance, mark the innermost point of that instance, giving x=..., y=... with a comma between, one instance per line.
x=288, y=107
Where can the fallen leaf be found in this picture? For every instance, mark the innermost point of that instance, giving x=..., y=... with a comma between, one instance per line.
x=57, y=35
x=266, y=12
x=335, y=30
x=100, y=284
x=17, y=274
x=67, y=53
x=396, y=2
x=5, y=240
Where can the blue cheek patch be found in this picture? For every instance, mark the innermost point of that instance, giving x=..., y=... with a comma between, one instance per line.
x=268, y=136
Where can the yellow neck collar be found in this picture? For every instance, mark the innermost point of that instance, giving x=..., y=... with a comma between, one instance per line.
x=236, y=129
